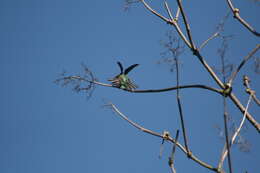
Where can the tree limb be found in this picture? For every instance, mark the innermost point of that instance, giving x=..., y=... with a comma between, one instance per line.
x=169, y=138
x=240, y=19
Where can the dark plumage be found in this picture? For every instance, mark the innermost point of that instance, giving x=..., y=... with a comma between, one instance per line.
x=121, y=80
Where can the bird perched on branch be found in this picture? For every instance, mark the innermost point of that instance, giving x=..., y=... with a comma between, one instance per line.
x=121, y=80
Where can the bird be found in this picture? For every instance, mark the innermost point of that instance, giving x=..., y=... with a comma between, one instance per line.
x=121, y=80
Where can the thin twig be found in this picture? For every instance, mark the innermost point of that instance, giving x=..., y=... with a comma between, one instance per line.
x=155, y=12
x=180, y=108
x=187, y=26
x=249, y=90
x=210, y=70
x=173, y=170
x=168, y=21
x=177, y=14
x=257, y=101
x=243, y=63
x=193, y=157
x=171, y=158
x=240, y=19
x=210, y=38
x=179, y=87
x=231, y=95
x=224, y=153
x=249, y=117
x=226, y=114
x=195, y=51
x=242, y=121
x=227, y=139
x=150, y=90
x=168, y=10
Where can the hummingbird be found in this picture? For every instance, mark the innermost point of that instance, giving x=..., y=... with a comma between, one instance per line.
x=121, y=80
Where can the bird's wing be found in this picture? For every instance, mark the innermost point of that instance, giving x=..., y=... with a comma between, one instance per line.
x=121, y=67
x=130, y=68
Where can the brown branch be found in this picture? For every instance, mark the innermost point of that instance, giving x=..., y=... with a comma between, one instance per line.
x=209, y=69
x=257, y=101
x=249, y=90
x=168, y=10
x=180, y=108
x=155, y=12
x=177, y=14
x=187, y=26
x=195, y=51
x=168, y=21
x=168, y=138
x=150, y=90
x=225, y=151
x=171, y=158
x=232, y=96
x=243, y=63
x=240, y=19
x=86, y=80
x=227, y=136
x=249, y=117
x=179, y=87
x=210, y=38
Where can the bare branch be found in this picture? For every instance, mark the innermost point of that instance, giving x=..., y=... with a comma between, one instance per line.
x=155, y=12
x=169, y=138
x=257, y=65
x=209, y=69
x=71, y=79
x=216, y=34
x=171, y=22
x=187, y=26
x=240, y=19
x=177, y=14
x=227, y=137
x=242, y=121
x=243, y=63
x=249, y=117
x=219, y=29
x=180, y=109
x=171, y=158
x=249, y=90
x=179, y=87
x=85, y=82
x=168, y=10
x=224, y=153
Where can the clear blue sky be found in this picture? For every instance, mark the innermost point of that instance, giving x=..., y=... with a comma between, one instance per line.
x=48, y=129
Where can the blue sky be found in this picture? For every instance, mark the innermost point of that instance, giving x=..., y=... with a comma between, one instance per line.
x=45, y=128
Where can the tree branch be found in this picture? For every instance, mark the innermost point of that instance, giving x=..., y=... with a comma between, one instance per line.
x=171, y=158
x=187, y=26
x=168, y=138
x=224, y=153
x=171, y=22
x=148, y=90
x=249, y=90
x=180, y=108
x=227, y=136
x=240, y=19
x=168, y=10
x=243, y=63
x=210, y=38
x=249, y=117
